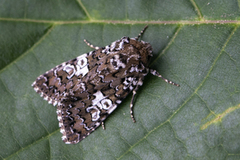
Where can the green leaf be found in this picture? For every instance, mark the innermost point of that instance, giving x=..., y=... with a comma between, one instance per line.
x=195, y=44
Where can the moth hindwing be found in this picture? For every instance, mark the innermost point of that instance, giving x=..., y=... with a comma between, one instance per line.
x=90, y=87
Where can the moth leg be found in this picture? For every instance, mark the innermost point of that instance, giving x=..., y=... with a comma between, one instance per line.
x=155, y=73
x=140, y=34
x=131, y=104
x=90, y=45
x=103, y=126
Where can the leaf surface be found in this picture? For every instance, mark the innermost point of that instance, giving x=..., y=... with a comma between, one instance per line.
x=195, y=44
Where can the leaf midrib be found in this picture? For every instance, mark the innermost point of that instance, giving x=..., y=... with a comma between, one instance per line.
x=181, y=22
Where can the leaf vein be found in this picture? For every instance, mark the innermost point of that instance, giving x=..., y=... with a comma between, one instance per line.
x=84, y=9
x=197, y=9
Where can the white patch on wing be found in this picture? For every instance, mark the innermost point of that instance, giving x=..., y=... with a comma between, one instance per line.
x=118, y=101
x=82, y=62
x=70, y=70
x=113, y=45
x=106, y=104
x=95, y=112
x=123, y=39
x=106, y=50
x=116, y=62
x=112, y=108
x=99, y=96
x=82, y=67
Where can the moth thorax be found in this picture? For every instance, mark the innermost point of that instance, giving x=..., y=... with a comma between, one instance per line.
x=145, y=51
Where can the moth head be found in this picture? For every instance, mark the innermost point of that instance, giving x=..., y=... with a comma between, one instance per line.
x=144, y=49
x=146, y=53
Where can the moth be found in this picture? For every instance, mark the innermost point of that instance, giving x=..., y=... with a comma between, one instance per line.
x=89, y=88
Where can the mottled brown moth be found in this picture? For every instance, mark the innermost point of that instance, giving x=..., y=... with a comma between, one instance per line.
x=90, y=87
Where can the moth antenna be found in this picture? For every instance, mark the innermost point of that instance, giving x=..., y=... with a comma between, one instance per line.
x=90, y=45
x=133, y=96
x=155, y=73
x=131, y=106
x=140, y=34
